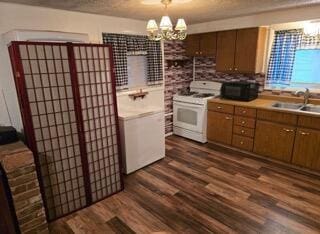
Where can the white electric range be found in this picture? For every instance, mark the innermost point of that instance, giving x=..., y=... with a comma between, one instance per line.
x=190, y=110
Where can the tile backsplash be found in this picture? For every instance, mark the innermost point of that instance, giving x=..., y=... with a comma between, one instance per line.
x=177, y=78
x=205, y=69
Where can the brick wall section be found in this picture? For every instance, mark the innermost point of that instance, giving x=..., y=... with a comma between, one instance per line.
x=18, y=163
x=176, y=78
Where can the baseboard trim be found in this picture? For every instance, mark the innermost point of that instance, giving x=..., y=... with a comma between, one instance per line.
x=169, y=134
x=244, y=153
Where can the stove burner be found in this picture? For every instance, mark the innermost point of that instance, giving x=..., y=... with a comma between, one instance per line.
x=203, y=95
x=187, y=93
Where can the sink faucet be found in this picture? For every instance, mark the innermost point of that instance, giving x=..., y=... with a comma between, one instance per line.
x=306, y=94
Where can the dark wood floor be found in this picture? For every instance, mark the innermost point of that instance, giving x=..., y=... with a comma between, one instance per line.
x=200, y=189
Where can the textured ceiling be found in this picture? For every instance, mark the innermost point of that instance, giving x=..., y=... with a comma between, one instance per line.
x=194, y=11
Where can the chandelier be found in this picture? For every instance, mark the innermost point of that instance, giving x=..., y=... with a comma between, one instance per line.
x=165, y=31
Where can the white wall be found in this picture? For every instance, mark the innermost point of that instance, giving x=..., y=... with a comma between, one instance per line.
x=14, y=16
x=264, y=19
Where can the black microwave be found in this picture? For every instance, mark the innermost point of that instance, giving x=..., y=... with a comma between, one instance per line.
x=241, y=91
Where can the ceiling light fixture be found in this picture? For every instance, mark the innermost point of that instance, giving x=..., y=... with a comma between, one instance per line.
x=165, y=30
x=156, y=2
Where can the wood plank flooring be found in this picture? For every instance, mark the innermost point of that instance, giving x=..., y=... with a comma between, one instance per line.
x=205, y=189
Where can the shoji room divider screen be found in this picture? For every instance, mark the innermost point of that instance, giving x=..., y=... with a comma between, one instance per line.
x=68, y=103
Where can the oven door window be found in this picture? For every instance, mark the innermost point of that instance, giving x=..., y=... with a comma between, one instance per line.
x=187, y=116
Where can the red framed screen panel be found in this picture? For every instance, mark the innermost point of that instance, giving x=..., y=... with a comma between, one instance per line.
x=68, y=105
x=100, y=121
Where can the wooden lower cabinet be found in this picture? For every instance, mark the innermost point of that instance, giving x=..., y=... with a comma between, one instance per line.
x=241, y=142
x=306, y=151
x=220, y=127
x=309, y=122
x=279, y=135
x=274, y=140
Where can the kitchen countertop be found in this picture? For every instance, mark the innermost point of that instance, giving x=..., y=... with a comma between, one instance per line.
x=265, y=102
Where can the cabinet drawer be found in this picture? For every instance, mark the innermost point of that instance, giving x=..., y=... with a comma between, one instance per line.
x=223, y=108
x=244, y=122
x=309, y=122
x=245, y=111
x=241, y=142
x=279, y=117
x=243, y=131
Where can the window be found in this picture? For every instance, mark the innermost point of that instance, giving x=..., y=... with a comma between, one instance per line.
x=294, y=61
x=306, y=68
x=137, y=70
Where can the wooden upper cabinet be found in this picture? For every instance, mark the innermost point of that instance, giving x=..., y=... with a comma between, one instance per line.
x=241, y=51
x=208, y=44
x=204, y=44
x=192, y=43
x=274, y=140
x=306, y=151
x=226, y=46
x=250, y=47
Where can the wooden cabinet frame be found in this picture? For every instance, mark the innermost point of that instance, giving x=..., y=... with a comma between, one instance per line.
x=241, y=51
x=279, y=135
x=201, y=45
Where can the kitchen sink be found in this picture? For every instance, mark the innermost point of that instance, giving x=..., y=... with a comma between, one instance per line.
x=287, y=105
x=297, y=107
x=311, y=108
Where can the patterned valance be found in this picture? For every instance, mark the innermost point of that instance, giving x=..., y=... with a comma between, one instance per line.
x=155, y=73
x=136, y=45
x=119, y=48
x=310, y=42
x=126, y=45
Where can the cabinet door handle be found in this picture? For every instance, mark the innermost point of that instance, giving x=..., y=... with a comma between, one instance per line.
x=219, y=107
x=236, y=69
x=200, y=52
x=241, y=142
x=228, y=118
x=197, y=52
x=243, y=122
x=243, y=112
x=230, y=69
x=243, y=131
x=288, y=130
x=304, y=133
